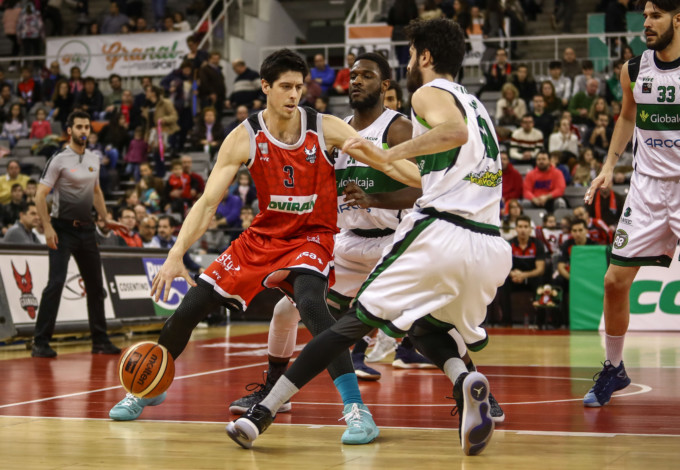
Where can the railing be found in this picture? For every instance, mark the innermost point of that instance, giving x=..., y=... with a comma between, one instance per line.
x=212, y=24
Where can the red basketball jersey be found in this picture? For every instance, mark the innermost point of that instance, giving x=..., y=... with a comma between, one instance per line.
x=295, y=183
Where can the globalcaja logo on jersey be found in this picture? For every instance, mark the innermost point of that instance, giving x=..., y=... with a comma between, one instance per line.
x=620, y=239
x=25, y=284
x=658, y=117
x=644, y=115
x=486, y=178
x=311, y=154
x=292, y=204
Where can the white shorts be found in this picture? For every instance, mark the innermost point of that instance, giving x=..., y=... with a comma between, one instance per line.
x=435, y=267
x=649, y=228
x=355, y=258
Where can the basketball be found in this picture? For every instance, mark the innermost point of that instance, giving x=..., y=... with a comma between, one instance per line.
x=146, y=369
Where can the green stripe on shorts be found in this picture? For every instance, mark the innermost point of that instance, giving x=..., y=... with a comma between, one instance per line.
x=397, y=250
x=384, y=325
x=663, y=261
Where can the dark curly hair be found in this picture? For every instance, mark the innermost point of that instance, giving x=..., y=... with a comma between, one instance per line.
x=380, y=61
x=280, y=62
x=443, y=38
x=665, y=5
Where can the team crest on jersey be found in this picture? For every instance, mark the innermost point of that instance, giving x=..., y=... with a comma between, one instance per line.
x=646, y=87
x=311, y=154
x=292, y=204
x=264, y=148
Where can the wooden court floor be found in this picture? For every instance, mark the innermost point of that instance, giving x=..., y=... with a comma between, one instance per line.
x=54, y=413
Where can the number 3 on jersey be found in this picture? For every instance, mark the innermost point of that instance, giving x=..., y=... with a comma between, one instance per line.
x=289, y=181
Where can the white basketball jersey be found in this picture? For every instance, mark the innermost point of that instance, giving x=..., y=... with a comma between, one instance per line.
x=369, y=179
x=464, y=181
x=656, y=142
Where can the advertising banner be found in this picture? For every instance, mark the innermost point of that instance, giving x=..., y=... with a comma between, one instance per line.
x=129, y=282
x=654, y=295
x=25, y=277
x=125, y=54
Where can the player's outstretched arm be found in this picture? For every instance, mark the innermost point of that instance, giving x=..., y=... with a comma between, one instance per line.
x=623, y=132
x=337, y=132
x=448, y=129
x=233, y=152
x=399, y=199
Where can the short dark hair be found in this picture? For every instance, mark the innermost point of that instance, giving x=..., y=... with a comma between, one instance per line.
x=587, y=64
x=90, y=79
x=394, y=85
x=31, y=181
x=665, y=5
x=381, y=62
x=25, y=206
x=577, y=221
x=523, y=217
x=76, y=115
x=14, y=186
x=555, y=64
x=171, y=220
x=281, y=61
x=443, y=38
x=114, y=75
x=547, y=215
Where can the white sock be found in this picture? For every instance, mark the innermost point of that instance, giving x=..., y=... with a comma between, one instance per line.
x=614, y=349
x=453, y=368
x=281, y=392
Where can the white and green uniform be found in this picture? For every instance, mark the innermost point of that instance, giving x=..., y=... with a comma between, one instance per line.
x=447, y=258
x=365, y=232
x=649, y=228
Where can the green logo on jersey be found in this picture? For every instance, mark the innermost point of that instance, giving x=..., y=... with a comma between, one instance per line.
x=644, y=116
x=627, y=212
x=485, y=178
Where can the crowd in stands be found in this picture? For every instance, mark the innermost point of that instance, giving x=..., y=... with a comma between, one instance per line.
x=554, y=131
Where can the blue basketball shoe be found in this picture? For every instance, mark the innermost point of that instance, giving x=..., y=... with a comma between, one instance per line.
x=130, y=407
x=361, y=428
x=471, y=393
x=609, y=380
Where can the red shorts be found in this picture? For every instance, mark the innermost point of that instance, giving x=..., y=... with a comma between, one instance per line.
x=254, y=262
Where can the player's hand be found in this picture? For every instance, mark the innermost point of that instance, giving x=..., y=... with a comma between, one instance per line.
x=171, y=269
x=362, y=145
x=355, y=196
x=51, y=237
x=603, y=180
x=113, y=225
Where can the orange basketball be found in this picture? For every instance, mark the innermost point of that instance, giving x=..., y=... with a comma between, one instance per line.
x=146, y=369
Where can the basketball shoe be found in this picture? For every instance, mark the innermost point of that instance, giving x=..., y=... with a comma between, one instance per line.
x=361, y=428
x=259, y=391
x=476, y=426
x=248, y=427
x=130, y=407
x=496, y=412
x=409, y=358
x=362, y=370
x=384, y=345
x=607, y=381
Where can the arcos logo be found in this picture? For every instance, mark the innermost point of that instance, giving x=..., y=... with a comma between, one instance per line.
x=667, y=301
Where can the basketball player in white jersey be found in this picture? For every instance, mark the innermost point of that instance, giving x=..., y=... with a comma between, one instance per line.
x=649, y=229
x=447, y=258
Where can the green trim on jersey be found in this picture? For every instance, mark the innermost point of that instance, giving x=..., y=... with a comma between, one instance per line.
x=658, y=117
x=342, y=301
x=375, y=322
x=632, y=86
x=398, y=249
x=437, y=161
x=367, y=178
x=422, y=121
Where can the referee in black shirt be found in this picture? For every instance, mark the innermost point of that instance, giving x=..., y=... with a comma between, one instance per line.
x=73, y=174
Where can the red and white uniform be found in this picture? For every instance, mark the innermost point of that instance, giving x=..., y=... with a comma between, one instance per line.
x=297, y=220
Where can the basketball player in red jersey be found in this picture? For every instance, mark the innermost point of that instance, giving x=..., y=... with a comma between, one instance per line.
x=290, y=242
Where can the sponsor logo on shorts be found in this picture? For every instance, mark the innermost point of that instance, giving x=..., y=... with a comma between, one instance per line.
x=292, y=204
x=620, y=239
x=627, y=212
x=485, y=178
x=311, y=256
x=227, y=262
x=314, y=239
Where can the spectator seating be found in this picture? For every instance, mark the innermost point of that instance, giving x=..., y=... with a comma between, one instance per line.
x=536, y=215
x=523, y=169
x=574, y=195
x=561, y=213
